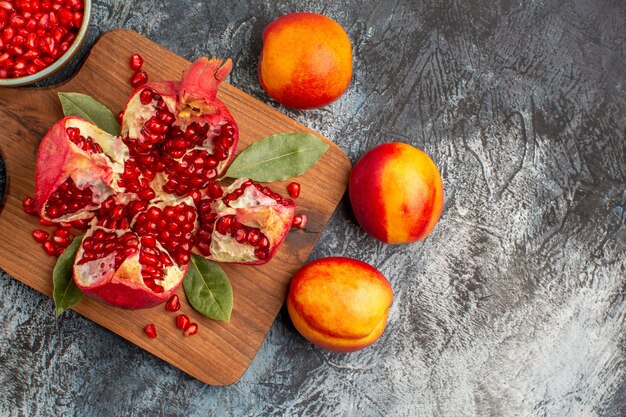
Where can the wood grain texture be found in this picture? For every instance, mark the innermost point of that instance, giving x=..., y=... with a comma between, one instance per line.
x=220, y=352
x=513, y=307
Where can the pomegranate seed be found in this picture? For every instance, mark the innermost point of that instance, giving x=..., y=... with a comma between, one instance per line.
x=138, y=79
x=49, y=248
x=191, y=330
x=6, y=6
x=18, y=40
x=77, y=19
x=294, y=189
x=62, y=233
x=40, y=236
x=66, y=17
x=136, y=62
x=145, y=97
x=45, y=222
x=183, y=321
x=28, y=204
x=264, y=243
x=75, y=4
x=60, y=251
x=150, y=331
x=173, y=304
x=17, y=21
x=120, y=117
x=80, y=224
x=254, y=237
x=62, y=242
x=299, y=221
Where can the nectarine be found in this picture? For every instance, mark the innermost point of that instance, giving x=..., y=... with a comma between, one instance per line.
x=340, y=304
x=306, y=60
x=396, y=193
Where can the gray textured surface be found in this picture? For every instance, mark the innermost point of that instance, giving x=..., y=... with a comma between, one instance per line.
x=514, y=306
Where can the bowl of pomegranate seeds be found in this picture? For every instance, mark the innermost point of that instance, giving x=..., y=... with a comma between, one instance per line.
x=39, y=37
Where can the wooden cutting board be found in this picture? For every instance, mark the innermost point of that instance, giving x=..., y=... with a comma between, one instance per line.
x=221, y=351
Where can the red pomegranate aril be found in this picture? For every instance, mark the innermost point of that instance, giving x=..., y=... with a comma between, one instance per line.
x=223, y=224
x=136, y=62
x=147, y=194
x=183, y=258
x=31, y=42
x=264, y=243
x=299, y=221
x=80, y=224
x=62, y=233
x=183, y=321
x=44, y=21
x=40, y=63
x=8, y=33
x=75, y=5
x=145, y=97
x=191, y=329
x=49, y=248
x=77, y=19
x=58, y=33
x=66, y=17
x=61, y=241
x=70, y=37
x=150, y=331
x=204, y=248
x=149, y=259
x=294, y=189
x=6, y=6
x=40, y=236
x=149, y=241
x=28, y=204
x=20, y=64
x=60, y=251
x=240, y=235
x=17, y=21
x=18, y=40
x=30, y=55
x=139, y=78
x=253, y=237
x=173, y=304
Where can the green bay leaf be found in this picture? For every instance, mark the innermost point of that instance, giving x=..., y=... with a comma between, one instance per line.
x=88, y=108
x=66, y=294
x=278, y=157
x=208, y=289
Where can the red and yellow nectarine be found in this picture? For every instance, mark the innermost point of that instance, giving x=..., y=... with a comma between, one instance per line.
x=396, y=193
x=340, y=304
x=306, y=60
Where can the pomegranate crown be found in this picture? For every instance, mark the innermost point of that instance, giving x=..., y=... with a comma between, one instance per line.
x=198, y=86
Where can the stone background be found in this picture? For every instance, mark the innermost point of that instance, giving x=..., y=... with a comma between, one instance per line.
x=513, y=306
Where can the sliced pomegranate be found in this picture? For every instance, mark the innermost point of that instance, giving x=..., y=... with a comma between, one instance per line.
x=116, y=266
x=246, y=225
x=192, y=131
x=123, y=261
x=76, y=170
